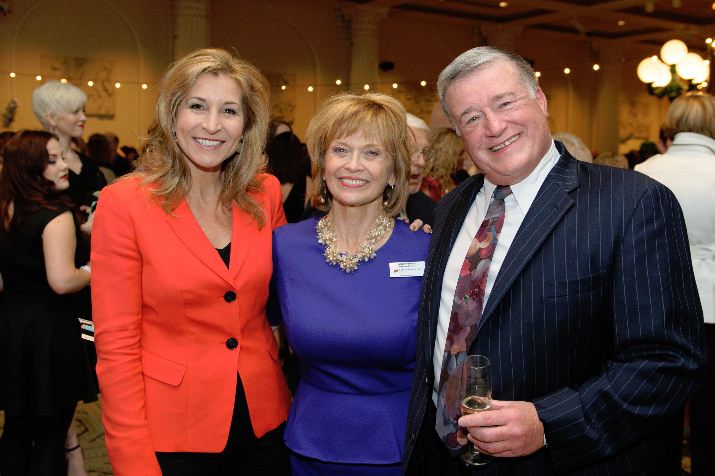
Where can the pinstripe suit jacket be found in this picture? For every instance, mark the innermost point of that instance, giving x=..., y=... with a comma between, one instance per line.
x=594, y=317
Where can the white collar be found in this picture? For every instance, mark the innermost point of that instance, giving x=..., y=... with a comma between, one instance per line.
x=525, y=191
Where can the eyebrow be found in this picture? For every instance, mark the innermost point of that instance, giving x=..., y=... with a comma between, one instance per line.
x=495, y=98
x=204, y=100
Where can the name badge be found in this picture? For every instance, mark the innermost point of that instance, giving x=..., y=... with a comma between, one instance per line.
x=407, y=269
x=87, y=329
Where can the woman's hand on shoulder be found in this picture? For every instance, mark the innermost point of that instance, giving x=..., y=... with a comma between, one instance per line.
x=418, y=225
x=86, y=227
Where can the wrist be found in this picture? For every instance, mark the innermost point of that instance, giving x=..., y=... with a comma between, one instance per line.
x=87, y=268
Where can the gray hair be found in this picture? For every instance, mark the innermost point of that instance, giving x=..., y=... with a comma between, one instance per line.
x=417, y=123
x=54, y=98
x=473, y=59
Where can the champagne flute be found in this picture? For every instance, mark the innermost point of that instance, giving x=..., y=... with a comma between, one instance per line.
x=476, y=396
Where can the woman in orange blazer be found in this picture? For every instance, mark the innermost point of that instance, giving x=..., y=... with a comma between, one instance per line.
x=181, y=261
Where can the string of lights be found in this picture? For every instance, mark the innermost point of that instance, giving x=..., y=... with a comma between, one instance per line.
x=310, y=87
x=90, y=83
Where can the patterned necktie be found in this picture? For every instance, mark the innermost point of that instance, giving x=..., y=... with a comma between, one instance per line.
x=467, y=308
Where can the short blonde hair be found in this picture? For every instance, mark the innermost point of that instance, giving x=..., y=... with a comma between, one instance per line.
x=380, y=117
x=692, y=112
x=611, y=159
x=56, y=98
x=163, y=166
x=574, y=145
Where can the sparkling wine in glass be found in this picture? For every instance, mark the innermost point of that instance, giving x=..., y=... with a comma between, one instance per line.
x=476, y=396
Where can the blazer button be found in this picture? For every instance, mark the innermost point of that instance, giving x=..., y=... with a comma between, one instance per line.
x=230, y=296
x=232, y=343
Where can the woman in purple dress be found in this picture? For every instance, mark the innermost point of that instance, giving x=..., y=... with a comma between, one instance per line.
x=348, y=283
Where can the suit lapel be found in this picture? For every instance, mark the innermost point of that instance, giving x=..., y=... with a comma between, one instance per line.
x=189, y=233
x=242, y=234
x=550, y=205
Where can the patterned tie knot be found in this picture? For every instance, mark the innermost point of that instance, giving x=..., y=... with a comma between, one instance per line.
x=502, y=191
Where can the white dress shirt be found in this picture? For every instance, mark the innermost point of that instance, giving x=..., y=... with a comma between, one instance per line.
x=517, y=205
x=688, y=170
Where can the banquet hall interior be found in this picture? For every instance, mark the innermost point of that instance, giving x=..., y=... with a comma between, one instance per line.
x=586, y=54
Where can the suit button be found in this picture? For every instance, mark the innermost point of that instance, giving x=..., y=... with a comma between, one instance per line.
x=232, y=343
x=230, y=296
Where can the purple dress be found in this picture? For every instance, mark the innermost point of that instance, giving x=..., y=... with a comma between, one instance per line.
x=355, y=336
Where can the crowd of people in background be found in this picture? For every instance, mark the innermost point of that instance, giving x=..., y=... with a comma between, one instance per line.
x=262, y=303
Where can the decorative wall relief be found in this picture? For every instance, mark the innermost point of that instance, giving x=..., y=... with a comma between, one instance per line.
x=282, y=100
x=9, y=115
x=635, y=118
x=101, y=99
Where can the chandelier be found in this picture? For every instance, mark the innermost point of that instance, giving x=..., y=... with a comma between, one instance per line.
x=676, y=71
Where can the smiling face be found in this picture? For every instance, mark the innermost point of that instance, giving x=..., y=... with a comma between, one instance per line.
x=504, y=129
x=56, y=170
x=68, y=124
x=418, y=159
x=210, y=121
x=357, y=170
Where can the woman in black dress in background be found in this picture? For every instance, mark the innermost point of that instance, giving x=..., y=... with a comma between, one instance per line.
x=43, y=369
x=286, y=160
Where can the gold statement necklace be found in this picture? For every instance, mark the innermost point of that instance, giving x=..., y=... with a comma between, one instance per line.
x=366, y=250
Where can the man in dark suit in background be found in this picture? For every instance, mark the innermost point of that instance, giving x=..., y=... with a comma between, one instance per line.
x=590, y=317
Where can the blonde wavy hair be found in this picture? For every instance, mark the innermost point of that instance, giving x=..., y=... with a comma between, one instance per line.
x=162, y=166
x=444, y=151
x=379, y=117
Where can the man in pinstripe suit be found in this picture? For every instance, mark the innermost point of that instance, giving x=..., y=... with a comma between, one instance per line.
x=591, y=316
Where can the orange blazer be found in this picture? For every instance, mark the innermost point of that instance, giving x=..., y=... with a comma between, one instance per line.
x=174, y=327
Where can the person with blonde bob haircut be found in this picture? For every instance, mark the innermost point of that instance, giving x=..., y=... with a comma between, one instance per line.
x=362, y=273
x=187, y=363
x=688, y=169
x=345, y=114
x=694, y=112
